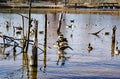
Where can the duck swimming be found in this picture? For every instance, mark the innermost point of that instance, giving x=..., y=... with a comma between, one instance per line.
x=89, y=48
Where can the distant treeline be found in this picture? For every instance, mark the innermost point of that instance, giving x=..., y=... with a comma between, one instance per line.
x=25, y=0
x=3, y=0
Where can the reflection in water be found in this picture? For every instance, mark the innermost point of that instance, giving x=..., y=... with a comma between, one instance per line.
x=45, y=45
x=62, y=57
x=7, y=25
x=14, y=52
x=61, y=45
x=79, y=36
x=5, y=54
x=33, y=72
x=25, y=64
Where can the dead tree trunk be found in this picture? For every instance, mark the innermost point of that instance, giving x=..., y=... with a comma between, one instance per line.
x=23, y=24
x=59, y=26
x=34, y=56
x=45, y=43
x=27, y=43
x=113, y=41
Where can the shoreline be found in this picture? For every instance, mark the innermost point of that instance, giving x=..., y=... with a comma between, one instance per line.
x=42, y=8
x=55, y=10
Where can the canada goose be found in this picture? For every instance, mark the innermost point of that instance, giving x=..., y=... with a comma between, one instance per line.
x=41, y=32
x=89, y=48
x=117, y=51
x=70, y=26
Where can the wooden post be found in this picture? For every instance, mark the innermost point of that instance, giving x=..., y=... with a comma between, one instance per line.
x=27, y=43
x=45, y=42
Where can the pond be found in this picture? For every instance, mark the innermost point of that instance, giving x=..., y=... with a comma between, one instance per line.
x=99, y=63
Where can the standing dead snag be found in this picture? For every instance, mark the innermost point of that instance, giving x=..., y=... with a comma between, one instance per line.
x=34, y=56
x=113, y=41
x=59, y=26
x=28, y=35
x=45, y=43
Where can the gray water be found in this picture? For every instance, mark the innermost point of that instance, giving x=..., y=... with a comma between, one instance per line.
x=99, y=63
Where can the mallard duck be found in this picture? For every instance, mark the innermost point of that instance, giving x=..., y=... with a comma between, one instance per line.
x=18, y=28
x=89, y=48
x=70, y=26
x=72, y=21
x=106, y=33
x=117, y=51
x=41, y=32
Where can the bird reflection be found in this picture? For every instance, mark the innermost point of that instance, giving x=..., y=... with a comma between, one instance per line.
x=7, y=25
x=61, y=45
x=14, y=52
x=62, y=57
x=25, y=65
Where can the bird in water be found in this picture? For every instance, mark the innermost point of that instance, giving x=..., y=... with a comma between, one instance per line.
x=89, y=48
x=7, y=54
x=117, y=51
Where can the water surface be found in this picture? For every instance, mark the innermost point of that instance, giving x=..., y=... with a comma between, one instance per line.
x=99, y=63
